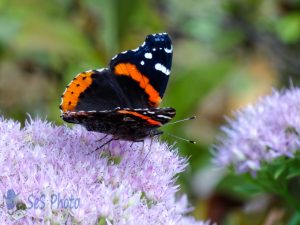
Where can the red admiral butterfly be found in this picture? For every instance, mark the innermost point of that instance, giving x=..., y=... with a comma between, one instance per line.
x=122, y=100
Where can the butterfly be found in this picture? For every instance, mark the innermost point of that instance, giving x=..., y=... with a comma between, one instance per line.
x=123, y=99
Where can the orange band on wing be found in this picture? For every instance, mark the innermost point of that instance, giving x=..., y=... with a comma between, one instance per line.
x=128, y=69
x=78, y=85
x=147, y=118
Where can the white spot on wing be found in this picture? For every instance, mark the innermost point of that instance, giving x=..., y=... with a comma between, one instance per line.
x=163, y=116
x=100, y=70
x=148, y=55
x=169, y=50
x=162, y=68
x=154, y=49
x=142, y=63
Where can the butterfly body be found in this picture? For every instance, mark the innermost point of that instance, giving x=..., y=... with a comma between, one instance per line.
x=122, y=100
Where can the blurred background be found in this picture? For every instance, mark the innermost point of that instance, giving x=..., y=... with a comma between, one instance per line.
x=226, y=55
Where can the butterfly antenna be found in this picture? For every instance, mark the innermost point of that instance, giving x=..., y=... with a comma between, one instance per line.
x=180, y=138
x=179, y=121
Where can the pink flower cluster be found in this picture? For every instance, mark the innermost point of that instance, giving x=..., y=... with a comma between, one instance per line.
x=261, y=132
x=122, y=183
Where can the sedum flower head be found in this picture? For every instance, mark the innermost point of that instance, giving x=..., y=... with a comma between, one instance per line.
x=122, y=183
x=261, y=132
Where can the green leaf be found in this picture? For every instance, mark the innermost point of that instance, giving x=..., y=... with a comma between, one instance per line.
x=280, y=170
x=295, y=220
x=294, y=172
x=102, y=221
x=248, y=189
x=288, y=28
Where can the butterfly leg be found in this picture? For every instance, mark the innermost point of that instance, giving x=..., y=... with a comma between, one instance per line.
x=105, y=143
x=101, y=139
x=152, y=135
x=136, y=141
x=151, y=141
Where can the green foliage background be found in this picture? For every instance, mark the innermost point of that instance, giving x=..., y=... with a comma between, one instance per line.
x=226, y=54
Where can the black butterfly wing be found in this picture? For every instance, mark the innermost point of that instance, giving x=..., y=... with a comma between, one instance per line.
x=93, y=90
x=135, y=79
x=126, y=124
x=149, y=66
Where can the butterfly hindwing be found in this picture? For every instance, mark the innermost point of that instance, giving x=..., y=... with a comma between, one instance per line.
x=128, y=124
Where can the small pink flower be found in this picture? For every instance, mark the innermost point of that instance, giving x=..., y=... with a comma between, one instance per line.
x=122, y=183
